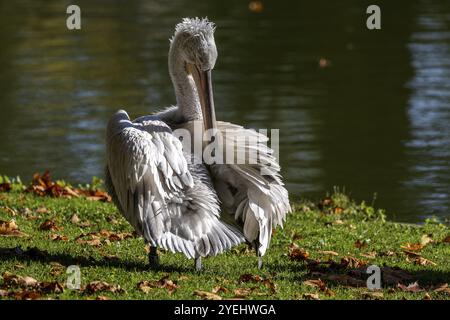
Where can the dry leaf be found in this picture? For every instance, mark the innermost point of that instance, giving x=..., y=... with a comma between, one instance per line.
x=352, y=262
x=10, y=229
x=75, y=219
x=442, y=288
x=311, y=296
x=207, y=295
x=242, y=292
x=96, y=286
x=446, y=239
x=427, y=296
x=5, y=187
x=412, y=247
x=102, y=298
x=330, y=253
x=163, y=283
x=412, y=287
x=296, y=253
x=370, y=254
x=49, y=225
x=426, y=239
x=359, y=244
x=42, y=210
x=219, y=289
x=315, y=283
x=424, y=262
x=58, y=237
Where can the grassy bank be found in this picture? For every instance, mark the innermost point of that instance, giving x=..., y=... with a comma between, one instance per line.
x=322, y=253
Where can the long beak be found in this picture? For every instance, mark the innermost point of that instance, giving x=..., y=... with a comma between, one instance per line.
x=203, y=82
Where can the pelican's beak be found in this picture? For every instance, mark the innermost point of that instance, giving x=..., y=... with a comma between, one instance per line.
x=203, y=83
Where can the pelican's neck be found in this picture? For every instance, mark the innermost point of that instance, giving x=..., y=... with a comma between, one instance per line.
x=185, y=90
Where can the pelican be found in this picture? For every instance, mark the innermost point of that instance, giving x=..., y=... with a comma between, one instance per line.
x=187, y=206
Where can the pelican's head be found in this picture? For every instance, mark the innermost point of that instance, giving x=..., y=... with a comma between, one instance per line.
x=196, y=46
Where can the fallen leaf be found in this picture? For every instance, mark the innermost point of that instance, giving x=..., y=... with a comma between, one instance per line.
x=49, y=225
x=219, y=289
x=75, y=219
x=315, y=283
x=296, y=253
x=412, y=247
x=27, y=295
x=426, y=239
x=412, y=287
x=242, y=292
x=330, y=253
x=102, y=298
x=424, y=262
x=5, y=187
x=10, y=229
x=163, y=283
x=10, y=279
x=42, y=210
x=446, y=239
x=442, y=288
x=352, y=262
x=249, y=277
x=338, y=210
x=370, y=254
x=51, y=287
x=207, y=295
x=58, y=237
x=360, y=244
x=96, y=286
x=427, y=296
x=311, y=296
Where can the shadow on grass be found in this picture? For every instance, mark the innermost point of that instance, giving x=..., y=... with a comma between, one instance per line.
x=339, y=274
x=35, y=254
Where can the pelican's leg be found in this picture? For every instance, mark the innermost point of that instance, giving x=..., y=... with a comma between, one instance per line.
x=153, y=257
x=260, y=261
x=198, y=263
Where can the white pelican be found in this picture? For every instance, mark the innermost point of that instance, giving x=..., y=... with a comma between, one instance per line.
x=181, y=206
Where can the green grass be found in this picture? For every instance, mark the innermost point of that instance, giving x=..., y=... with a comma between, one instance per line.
x=313, y=227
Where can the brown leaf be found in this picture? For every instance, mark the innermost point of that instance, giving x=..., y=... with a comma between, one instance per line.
x=315, y=283
x=5, y=187
x=163, y=283
x=360, y=244
x=296, y=253
x=338, y=210
x=96, y=286
x=27, y=295
x=412, y=247
x=442, y=288
x=242, y=292
x=311, y=296
x=249, y=277
x=102, y=298
x=352, y=262
x=372, y=295
x=49, y=225
x=10, y=229
x=370, y=254
x=10, y=279
x=426, y=239
x=446, y=239
x=75, y=219
x=411, y=254
x=412, y=287
x=42, y=210
x=51, y=287
x=424, y=262
x=207, y=295
x=427, y=296
x=58, y=237
x=219, y=289
x=329, y=253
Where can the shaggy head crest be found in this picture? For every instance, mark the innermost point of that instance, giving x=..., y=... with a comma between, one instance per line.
x=195, y=27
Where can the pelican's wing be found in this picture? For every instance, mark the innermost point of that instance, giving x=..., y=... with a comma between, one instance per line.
x=253, y=191
x=154, y=189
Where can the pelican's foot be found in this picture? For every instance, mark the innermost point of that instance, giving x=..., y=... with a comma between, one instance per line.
x=260, y=262
x=153, y=258
x=198, y=263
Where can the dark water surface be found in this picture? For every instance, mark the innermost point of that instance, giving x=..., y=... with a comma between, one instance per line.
x=376, y=120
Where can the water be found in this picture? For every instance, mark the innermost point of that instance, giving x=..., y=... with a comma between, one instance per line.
x=377, y=120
